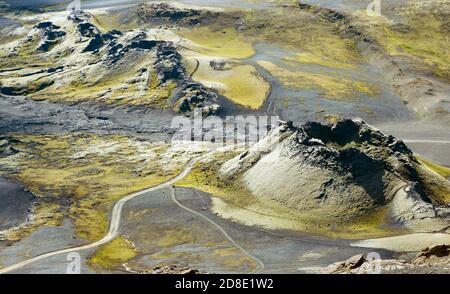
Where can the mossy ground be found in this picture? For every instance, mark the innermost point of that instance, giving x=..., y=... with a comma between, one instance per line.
x=206, y=177
x=329, y=86
x=315, y=40
x=427, y=43
x=48, y=214
x=434, y=178
x=311, y=41
x=90, y=171
x=25, y=58
x=422, y=36
x=317, y=59
x=225, y=42
x=439, y=169
x=242, y=84
x=115, y=21
x=114, y=254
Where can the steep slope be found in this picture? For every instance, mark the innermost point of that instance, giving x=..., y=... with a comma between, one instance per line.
x=409, y=44
x=341, y=171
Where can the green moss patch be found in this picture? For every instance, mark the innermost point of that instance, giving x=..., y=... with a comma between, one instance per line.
x=113, y=255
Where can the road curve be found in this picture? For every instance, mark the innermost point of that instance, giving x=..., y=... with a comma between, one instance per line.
x=114, y=224
x=222, y=230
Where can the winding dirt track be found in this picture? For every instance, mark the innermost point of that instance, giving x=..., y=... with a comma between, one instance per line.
x=115, y=225
x=174, y=199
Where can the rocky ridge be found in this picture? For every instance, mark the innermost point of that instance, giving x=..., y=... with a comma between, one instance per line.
x=342, y=170
x=174, y=14
x=83, y=56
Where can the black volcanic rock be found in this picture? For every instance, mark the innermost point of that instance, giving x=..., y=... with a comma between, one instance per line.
x=95, y=43
x=47, y=25
x=318, y=130
x=168, y=63
x=345, y=131
x=166, y=13
x=87, y=29
x=144, y=44
x=50, y=35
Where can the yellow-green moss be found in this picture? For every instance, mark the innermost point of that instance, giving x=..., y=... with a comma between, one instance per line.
x=234, y=259
x=207, y=179
x=226, y=42
x=118, y=85
x=92, y=170
x=114, y=21
x=434, y=179
x=371, y=225
x=423, y=37
x=331, y=87
x=322, y=60
x=315, y=40
x=172, y=237
x=114, y=254
x=242, y=84
x=437, y=168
